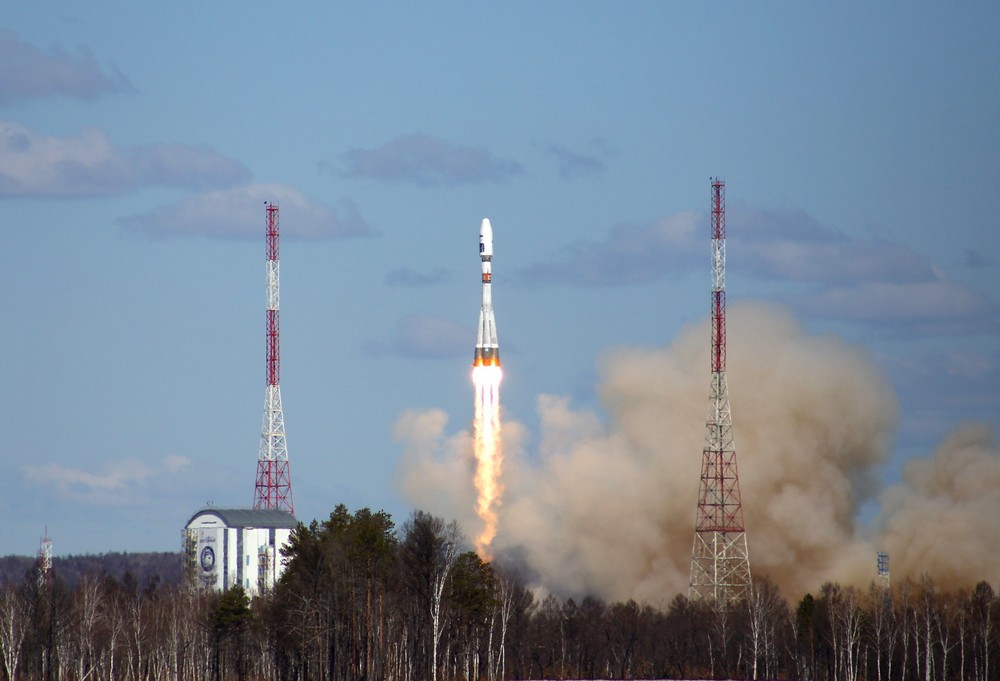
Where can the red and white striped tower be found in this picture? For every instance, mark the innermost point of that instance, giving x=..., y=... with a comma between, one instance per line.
x=720, y=563
x=274, y=482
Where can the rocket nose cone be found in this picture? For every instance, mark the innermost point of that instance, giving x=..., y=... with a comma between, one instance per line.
x=486, y=240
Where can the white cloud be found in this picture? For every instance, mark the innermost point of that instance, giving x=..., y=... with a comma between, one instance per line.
x=842, y=261
x=426, y=337
x=239, y=214
x=777, y=245
x=27, y=71
x=927, y=303
x=793, y=246
x=114, y=483
x=823, y=272
x=574, y=164
x=429, y=161
x=630, y=254
x=88, y=164
x=113, y=478
x=176, y=463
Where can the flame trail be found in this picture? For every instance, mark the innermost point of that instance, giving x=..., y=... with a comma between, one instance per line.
x=489, y=453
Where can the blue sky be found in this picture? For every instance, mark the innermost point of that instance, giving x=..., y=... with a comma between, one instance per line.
x=859, y=144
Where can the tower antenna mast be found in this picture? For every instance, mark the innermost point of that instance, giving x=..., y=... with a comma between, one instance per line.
x=720, y=563
x=274, y=482
x=45, y=559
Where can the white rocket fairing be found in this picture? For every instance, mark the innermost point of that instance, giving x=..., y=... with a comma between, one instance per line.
x=487, y=350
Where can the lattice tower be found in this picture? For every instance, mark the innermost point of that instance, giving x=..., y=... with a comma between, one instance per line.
x=45, y=559
x=720, y=562
x=274, y=482
x=883, y=569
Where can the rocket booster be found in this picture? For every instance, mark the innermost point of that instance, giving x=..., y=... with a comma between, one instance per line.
x=487, y=350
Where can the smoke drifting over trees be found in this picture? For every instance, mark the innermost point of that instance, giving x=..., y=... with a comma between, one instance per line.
x=605, y=504
x=941, y=519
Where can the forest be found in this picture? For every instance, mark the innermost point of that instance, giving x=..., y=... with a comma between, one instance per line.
x=161, y=566
x=361, y=599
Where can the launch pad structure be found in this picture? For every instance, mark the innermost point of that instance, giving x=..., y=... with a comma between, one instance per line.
x=720, y=562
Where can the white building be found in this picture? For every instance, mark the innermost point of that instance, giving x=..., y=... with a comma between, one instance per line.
x=226, y=547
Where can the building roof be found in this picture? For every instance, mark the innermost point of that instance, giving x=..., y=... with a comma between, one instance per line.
x=249, y=517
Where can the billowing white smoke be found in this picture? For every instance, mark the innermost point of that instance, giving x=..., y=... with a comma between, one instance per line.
x=942, y=518
x=608, y=507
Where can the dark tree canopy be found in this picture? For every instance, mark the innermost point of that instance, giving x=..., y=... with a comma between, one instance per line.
x=362, y=599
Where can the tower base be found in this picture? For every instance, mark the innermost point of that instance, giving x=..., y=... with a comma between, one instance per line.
x=720, y=567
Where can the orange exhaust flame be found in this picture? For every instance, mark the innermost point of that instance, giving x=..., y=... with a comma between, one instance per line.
x=489, y=454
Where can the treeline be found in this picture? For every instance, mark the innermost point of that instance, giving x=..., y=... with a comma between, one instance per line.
x=163, y=567
x=361, y=600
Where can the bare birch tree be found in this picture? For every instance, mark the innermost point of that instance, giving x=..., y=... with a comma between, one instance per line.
x=14, y=626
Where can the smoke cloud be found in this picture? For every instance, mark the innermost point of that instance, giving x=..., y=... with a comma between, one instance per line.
x=941, y=519
x=606, y=504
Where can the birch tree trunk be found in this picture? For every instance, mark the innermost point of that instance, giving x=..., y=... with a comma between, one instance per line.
x=14, y=620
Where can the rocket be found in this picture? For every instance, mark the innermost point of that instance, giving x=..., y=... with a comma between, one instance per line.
x=487, y=350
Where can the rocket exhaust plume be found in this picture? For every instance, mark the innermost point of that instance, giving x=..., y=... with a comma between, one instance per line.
x=602, y=504
x=489, y=455
x=486, y=376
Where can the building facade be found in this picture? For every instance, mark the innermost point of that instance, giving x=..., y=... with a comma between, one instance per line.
x=226, y=547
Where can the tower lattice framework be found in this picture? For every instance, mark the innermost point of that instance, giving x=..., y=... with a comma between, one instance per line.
x=720, y=562
x=274, y=482
x=45, y=560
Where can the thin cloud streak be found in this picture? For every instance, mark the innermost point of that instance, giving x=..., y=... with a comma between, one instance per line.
x=630, y=254
x=425, y=337
x=429, y=161
x=409, y=278
x=88, y=164
x=794, y=246
x=573, y=164
x=870, y=281
x=936, y=306
x=28, y=72
x=238, y=214
x=975, y=260
x=119, y=482
x=950, y=380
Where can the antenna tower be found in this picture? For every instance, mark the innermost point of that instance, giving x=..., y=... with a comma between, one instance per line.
x=883, y=569
x=45, y=559
x=274, y=482
x=720, y=563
